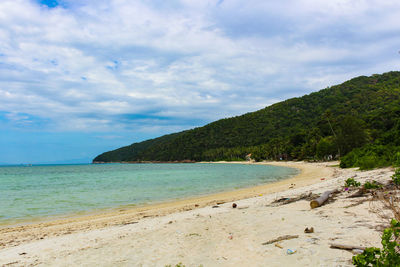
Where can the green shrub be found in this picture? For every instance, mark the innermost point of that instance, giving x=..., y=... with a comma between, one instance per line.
x=368, y=162
x=396, y=177
x=388, y=255
x=372, y=185
x=372, y=156
x=351, y=182
x=396, y=159
x=349, y=160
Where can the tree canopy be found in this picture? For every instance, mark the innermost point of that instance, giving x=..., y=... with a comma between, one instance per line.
x=361, y=113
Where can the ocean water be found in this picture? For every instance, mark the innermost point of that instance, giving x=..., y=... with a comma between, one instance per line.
x=27, y=193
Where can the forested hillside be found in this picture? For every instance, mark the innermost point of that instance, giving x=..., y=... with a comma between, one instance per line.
x=361, y=116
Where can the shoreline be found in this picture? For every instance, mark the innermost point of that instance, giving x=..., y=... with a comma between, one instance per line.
x=309, y=174
x=197, y=231
x=223, y=196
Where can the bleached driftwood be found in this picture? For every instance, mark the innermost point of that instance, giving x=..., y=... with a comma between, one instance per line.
x=346, y=247
x=284, y=237
x=324, y=197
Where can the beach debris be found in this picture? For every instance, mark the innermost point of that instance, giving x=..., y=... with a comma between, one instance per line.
x=278, y=245
x=321, y=200
x=346, y=247
x=359, y=193
x=22, y=253
x=286, y=200
x=290, y=251
x=376, y=192
x=309, y=230
x=196, y=205
x=230, y=236
x=234, y=205
x=292, y=185
x=216, y=206
x=281, y=238
x=170, y=222
x=220, y=203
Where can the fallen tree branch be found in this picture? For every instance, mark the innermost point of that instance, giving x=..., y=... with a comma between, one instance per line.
x=284, y=237
x=287, y=200
x=346, y=247
x=359, y=193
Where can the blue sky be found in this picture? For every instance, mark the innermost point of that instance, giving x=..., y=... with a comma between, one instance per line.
x=78, y=78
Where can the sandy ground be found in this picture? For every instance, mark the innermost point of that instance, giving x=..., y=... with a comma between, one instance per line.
x=196, y=232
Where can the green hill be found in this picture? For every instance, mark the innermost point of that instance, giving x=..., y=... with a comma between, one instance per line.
x=362, y=113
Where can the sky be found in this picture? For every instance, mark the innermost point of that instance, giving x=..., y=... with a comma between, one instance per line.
x=81, y=77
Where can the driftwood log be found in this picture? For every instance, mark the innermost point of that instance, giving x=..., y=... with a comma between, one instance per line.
x=347, y=247
x=286, y=200
x=320, y=201
x=284, y=237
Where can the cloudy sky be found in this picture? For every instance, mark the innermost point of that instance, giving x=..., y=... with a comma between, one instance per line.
x=79, y=77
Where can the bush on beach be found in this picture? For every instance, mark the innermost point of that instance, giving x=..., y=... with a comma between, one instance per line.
x=387, y=199
x=372, y=185
x=372, y=156
x=396, y=177
x=388, y=255
x=351, y=182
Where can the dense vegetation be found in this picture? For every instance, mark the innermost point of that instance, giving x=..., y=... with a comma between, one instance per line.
x=358, y=121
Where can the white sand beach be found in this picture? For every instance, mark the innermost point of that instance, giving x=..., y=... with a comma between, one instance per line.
x=196, y=232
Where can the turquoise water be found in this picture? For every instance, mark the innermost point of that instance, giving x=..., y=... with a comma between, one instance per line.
x=41, y=191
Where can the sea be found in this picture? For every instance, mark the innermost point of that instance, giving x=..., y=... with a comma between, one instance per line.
x=28, y=193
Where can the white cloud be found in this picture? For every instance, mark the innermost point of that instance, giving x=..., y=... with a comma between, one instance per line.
x=85, y=66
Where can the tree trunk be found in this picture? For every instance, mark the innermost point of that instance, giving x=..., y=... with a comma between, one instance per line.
x=319, y=201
